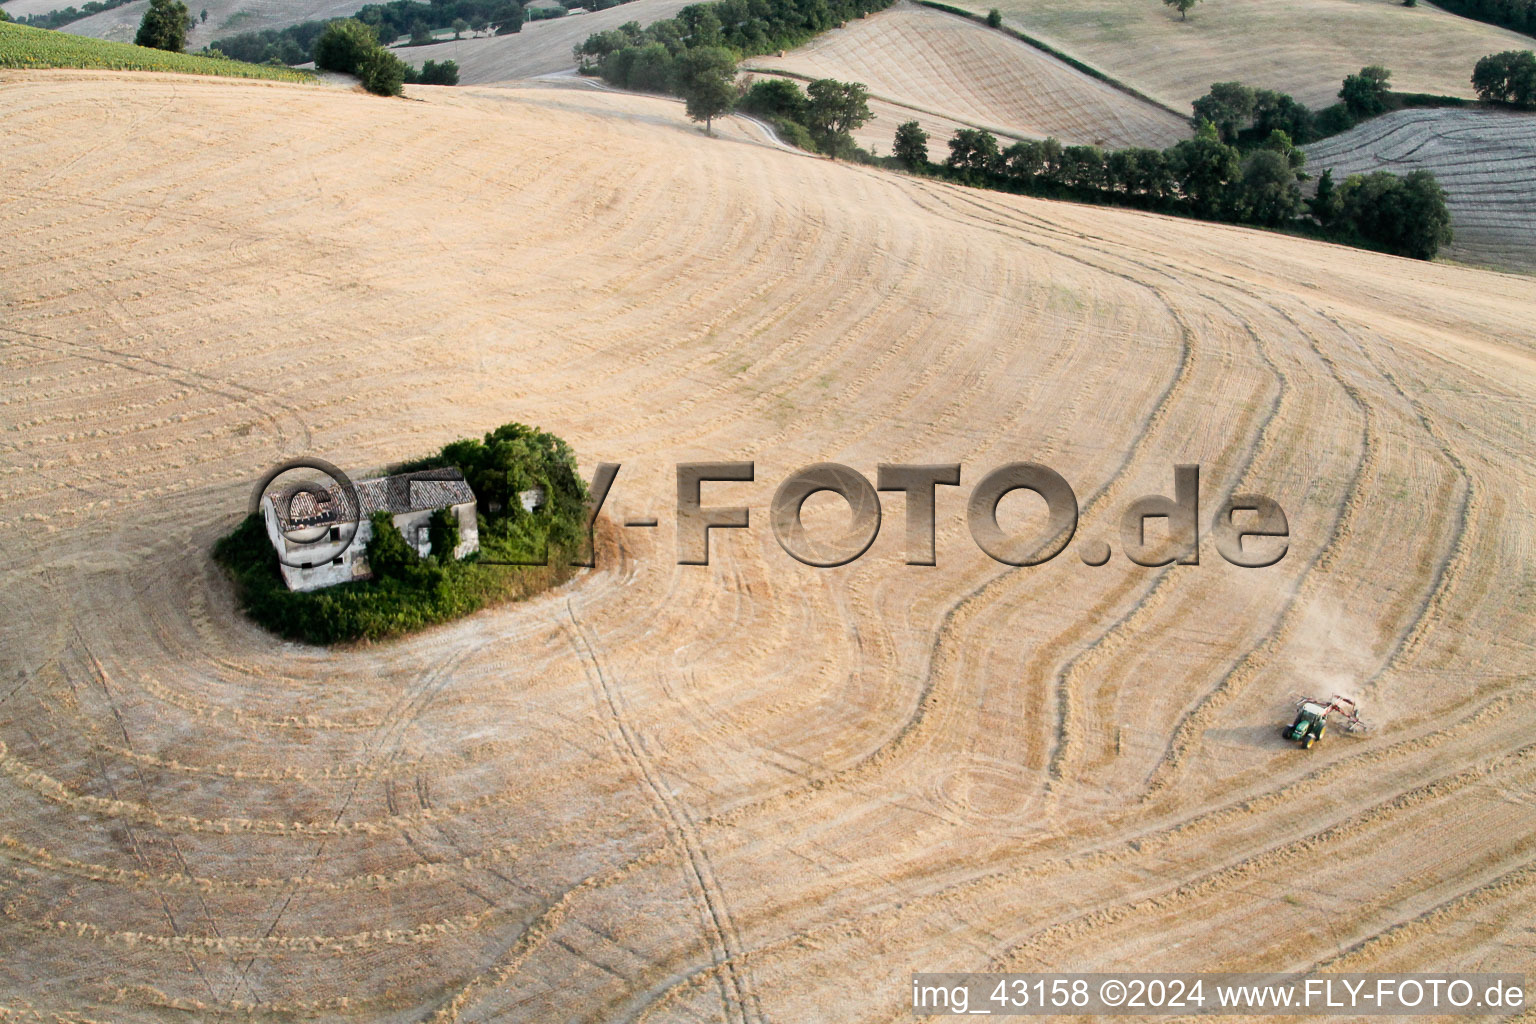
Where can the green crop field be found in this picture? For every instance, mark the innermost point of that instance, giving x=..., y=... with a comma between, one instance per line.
x=25, y=47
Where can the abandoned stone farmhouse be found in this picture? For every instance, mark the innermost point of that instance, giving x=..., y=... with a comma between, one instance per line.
x=310, y=526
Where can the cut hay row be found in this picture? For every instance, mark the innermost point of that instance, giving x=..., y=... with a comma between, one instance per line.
x=1483, y=159
x=940, y=66
x=755, y=790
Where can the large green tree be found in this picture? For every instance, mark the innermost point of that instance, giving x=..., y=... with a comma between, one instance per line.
x=1509, y=77
x=974, y=154
x=164, y=26
x=1365, y=94
x=1406, y=215
x=834, y=111
x=343, y=44
x=706, y=78
x=1205, y=168
x=508, y=18
x=911, y=145
x=1228, y=106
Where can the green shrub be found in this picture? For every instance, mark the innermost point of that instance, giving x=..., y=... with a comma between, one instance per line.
x=1365, y=94
x=1405, y=215
x=343, y=44
x=794, y=133
x=434, y=73
x=1332, y=120
x=443, y=534
x=382, y=73
x=774, y=97
x=911, y=144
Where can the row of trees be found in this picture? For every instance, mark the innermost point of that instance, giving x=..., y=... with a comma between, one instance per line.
x=1246, y=117
x=1204, y=177
x=1519, y=15
x=389, y=21
x=745, y=28
x=1508, y=77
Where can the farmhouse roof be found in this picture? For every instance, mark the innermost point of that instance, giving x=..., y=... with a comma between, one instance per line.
x=413, y=492
x=423, y=490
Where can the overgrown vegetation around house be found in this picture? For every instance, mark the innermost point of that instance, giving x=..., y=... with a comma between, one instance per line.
x=408, y=592
x=24, y=47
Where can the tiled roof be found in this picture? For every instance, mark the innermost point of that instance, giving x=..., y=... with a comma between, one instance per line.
x=413, y=492
x=428, y=489
x=298, y=507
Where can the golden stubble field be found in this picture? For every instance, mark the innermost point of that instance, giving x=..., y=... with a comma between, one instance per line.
x=754, y=791
x=936, y=68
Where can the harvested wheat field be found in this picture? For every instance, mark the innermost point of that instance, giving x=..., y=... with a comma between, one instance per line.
x=1483, y=160
x=1304, y=48
x=541, y=48
x=751, y=791
x=930, y=63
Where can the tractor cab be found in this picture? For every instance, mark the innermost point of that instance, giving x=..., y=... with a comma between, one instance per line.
x=1312, y=718
x=1311, y=721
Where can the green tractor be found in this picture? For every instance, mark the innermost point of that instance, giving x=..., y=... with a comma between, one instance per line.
x=1312, y=718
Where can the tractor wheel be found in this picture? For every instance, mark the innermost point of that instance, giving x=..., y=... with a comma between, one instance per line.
x=1323, y=730
x=1307, y=743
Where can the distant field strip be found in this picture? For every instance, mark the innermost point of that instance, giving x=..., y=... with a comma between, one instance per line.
x=541, y=48
x=953, y=69
x=1304, y=47
x=1485, y=160
x=224, y=16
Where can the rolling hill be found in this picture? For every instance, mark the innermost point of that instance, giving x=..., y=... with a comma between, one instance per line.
x=1485, y=161
x=928, y=64
x=754, y=790
x=225, y=17
x=541, y=48
x=1304, y=48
